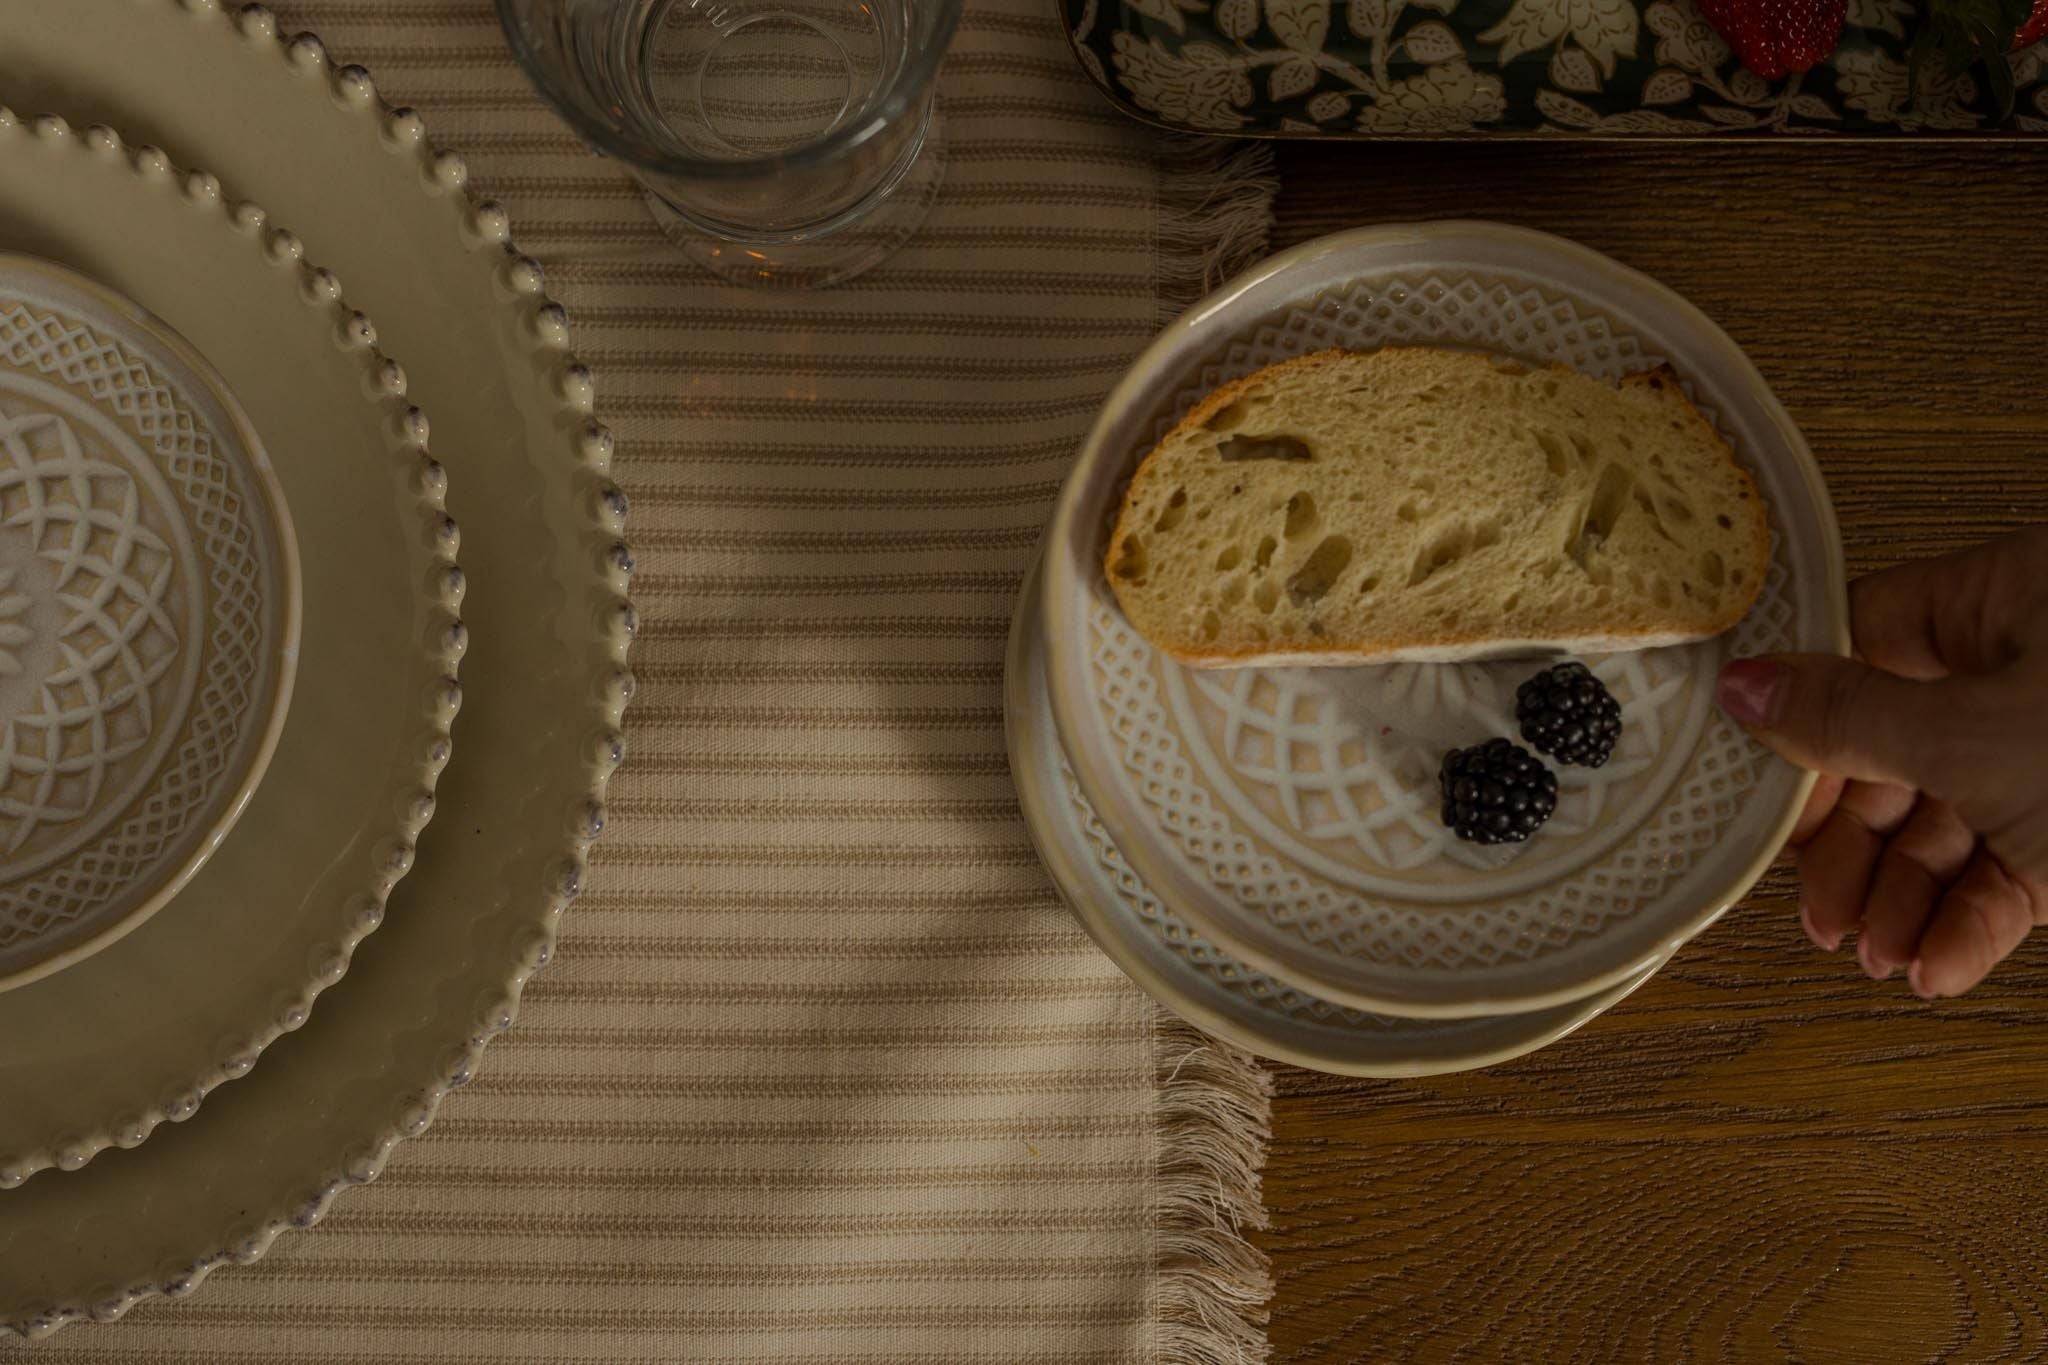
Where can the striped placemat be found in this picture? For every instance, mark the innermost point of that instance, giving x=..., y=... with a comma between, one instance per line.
x=824, y=1073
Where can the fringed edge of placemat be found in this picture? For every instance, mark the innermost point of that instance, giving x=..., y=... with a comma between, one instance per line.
x=1216, y=212
x=1215, y=1102
x=1216, y=1119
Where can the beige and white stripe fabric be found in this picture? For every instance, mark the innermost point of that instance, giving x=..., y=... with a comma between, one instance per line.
x=824, y=1072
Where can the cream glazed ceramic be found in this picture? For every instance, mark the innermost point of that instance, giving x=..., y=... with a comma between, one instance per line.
x=1194, y=978
x=149, y=615
x=545, y=683
x=99, y=1053
x=1291, y=813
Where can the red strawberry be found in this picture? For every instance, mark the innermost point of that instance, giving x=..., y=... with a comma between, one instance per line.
x=1775, y=38
x=2035, y=29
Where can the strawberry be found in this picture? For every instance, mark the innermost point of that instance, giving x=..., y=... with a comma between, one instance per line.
x=2034, y=30
x=1775, y=38
x=1962, y=32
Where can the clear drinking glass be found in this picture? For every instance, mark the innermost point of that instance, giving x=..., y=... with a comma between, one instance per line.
x=789, y=142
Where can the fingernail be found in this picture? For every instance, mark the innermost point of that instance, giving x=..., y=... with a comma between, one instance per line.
x=1875, y=970
x=1913, y=979
x=1821, y=941
x=1749, y=688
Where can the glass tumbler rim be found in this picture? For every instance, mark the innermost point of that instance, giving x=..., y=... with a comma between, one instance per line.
x=917, y=75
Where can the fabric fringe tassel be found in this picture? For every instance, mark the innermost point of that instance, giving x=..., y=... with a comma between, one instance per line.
x=1215, y=1121
x=1216, y=212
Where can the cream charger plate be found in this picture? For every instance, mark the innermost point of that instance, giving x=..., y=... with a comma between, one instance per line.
x=545, y=681
x=99, y=1053
x=149, y=616
x=1290, y=814
x=1191, y=976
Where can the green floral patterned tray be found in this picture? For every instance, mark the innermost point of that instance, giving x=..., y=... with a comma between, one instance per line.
x=1432, y=68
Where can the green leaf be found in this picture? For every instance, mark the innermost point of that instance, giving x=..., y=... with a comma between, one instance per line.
x=1998, y=72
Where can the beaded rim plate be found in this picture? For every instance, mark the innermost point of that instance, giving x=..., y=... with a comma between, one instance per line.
x=149, y=616
x=102, y=1052
x=1180, y=969
x=1290, y=813
x=487, y=352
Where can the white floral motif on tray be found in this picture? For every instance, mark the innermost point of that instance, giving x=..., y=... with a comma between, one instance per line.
x=1307, y=797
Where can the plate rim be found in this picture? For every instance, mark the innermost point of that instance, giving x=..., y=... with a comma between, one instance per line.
x=1040, y=802
x=1071, y=519
x=582, y=450
x=438, y=650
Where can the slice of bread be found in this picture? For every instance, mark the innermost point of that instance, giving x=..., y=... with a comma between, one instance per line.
x=1433, y=505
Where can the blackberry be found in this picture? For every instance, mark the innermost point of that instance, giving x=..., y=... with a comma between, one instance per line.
x=1566, y=712
x=1496, y=792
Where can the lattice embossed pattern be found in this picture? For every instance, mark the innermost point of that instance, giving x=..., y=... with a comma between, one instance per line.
x=1307, y=797
x=1225, y=971
x=79, y=708
x=205, y=748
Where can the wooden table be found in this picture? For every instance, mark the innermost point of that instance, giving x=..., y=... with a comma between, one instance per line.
x=1762, y=1154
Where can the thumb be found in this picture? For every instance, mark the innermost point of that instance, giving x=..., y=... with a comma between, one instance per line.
x=1838, y=716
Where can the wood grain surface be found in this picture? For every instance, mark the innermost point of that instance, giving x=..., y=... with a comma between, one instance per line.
x=1761, y=1155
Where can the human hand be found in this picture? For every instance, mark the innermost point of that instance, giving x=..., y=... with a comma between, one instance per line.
x=1928, y=830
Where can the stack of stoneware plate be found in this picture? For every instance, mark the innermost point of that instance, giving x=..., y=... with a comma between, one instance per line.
x=230, y=623
x=1261, y=848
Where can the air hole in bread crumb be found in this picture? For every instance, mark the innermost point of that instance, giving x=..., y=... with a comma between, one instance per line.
x=1368, y=583
x=1212, y=626
x=1449, y=546
x=1514, y=600
x=1131, y=560
x=1231, y=416
x=1231, y=557
x=1553, y=453
x=1649, y=506
x=1286, y=448
x=1266, y=596
x=1233, y=592
x=1723, y=522
x=1320, y=571
x=1602, y=511
x=1737, y=577
x=1301, y=515
x=1265, y=554
x=1171, y=514
x=1712, y=569
x=1678, y=510
x=1409, y=511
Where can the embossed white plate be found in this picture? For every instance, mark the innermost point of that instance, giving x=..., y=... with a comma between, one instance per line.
x=1291, y=814
x=545, y=682
x=1191, y=976
x=149, y=615
x=99, y=1053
